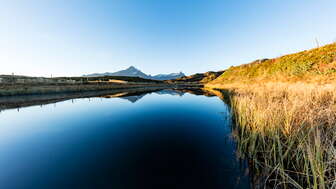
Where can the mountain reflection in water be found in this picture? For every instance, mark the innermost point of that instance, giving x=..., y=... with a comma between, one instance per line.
x=134, y=97
x=163, y=139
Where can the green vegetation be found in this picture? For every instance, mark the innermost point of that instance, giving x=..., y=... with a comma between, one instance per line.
x=285, y=110
x=319, y=62
x=200, y=77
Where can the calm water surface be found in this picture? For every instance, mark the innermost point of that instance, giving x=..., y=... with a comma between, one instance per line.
x=148, y=141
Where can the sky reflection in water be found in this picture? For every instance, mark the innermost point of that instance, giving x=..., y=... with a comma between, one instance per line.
x=158, y=140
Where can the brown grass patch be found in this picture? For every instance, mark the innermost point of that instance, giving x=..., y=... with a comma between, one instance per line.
x=288, y=130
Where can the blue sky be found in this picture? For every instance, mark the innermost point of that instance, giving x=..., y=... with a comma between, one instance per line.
x=75, y=37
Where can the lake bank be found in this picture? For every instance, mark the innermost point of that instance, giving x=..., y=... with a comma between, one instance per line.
x=285, y=109
x=144, y=140
x=61, y=93
x=287, y=130
x=42, y=88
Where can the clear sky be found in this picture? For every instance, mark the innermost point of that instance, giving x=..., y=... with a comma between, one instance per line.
x=75, y=37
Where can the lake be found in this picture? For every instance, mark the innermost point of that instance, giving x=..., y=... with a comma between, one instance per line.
x=162, y=139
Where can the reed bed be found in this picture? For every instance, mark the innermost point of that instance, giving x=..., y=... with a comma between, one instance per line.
x=287, y=131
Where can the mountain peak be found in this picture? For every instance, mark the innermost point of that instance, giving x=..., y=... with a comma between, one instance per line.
x=134, y=72
x=132, y=68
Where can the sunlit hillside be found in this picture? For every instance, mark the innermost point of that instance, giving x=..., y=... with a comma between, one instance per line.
x=310, y=65
x=285, y=109
x=200, y=77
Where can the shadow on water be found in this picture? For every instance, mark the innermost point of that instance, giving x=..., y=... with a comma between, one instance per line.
x=162, y=139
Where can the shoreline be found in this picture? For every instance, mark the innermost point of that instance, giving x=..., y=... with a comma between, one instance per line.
x=286, y=130
x=61, y=93
x=39, y=89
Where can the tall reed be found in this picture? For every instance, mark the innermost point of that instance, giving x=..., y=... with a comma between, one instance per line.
x=288, y=131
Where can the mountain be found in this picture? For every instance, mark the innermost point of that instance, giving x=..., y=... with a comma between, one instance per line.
x=167, y=76
x=134, y=72
x=130, y=72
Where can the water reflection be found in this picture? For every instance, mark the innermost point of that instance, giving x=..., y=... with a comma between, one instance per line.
x=132, y=95
x=135, y=96
x=181, y=140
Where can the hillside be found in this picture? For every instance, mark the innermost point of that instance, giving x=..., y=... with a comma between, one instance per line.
x=200, y=77
x=310, y=65
x=285, y=112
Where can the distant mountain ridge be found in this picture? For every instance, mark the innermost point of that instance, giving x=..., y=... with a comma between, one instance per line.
x=134, y=72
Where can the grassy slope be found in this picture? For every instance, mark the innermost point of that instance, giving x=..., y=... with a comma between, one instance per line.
x=310, y=65
x=285, y=111
x=200, y=77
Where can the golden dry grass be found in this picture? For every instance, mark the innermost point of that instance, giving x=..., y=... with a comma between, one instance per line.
x=313, y=65
x=288, y=130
